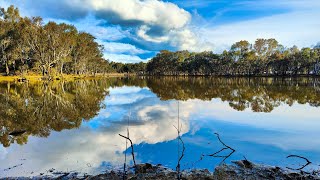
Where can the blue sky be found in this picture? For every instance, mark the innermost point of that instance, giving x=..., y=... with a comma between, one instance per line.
x=135, y=30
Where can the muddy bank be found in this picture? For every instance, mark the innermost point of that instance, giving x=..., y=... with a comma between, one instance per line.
x=238, y=170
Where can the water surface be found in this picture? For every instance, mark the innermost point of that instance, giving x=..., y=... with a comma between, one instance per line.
x=75, y=126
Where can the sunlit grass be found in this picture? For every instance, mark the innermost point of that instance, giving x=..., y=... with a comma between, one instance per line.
x=65, y=77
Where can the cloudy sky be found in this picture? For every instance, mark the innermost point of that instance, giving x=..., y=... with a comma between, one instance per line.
x=135, y=30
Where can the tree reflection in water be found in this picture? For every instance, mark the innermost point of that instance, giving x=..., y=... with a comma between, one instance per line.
x=36, y=109
x=259, y=94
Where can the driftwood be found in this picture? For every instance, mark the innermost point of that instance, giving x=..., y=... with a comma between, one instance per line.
x=302, y=167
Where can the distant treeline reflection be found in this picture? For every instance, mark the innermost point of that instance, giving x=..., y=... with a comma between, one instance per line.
x=259, y=94
x=37, y=109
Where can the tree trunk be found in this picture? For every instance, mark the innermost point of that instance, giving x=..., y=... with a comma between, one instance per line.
x=61, y=69
x=7, y=69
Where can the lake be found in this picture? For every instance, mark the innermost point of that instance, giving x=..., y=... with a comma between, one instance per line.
x=75, y=126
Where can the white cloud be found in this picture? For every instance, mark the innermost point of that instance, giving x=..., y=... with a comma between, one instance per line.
x=123, y=58
x=187, y=40
x=156, y=21
x=152, y=12
x=123, y=95
x=146, y=21
x=118, y=48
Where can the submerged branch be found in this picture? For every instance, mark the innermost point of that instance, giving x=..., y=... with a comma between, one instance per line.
x=301, y=157
x=226, y=147
x=218, y=136
x=132, y=150
x=181, y=157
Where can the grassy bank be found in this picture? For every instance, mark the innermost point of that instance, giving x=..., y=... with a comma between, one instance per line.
x=66, y=77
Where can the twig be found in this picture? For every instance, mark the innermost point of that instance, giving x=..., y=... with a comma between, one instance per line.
x=223, y=142
x=217, y=152
x=183, y=146
x=302, y=167
x=182, y=155
x=132, y=150
x=225, y=148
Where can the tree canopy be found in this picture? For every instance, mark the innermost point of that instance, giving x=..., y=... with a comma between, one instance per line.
x=266, y=57
x=27, y=45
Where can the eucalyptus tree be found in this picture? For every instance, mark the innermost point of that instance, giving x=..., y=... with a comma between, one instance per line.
x=8, y=20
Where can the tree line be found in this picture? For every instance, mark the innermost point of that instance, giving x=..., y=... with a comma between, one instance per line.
x=266, y=57
x=29, y=46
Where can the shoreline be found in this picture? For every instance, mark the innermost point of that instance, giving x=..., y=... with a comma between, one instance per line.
x=236, y=76
x=242, y=169
x=67, y=77
x=70, y=77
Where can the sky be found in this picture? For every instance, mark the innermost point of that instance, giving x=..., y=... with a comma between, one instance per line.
x=136, y=30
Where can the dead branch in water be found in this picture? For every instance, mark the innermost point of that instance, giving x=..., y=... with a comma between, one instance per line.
x=225, y=148
x=223, y=142
x=178, y=169
x=132, y=150
x=301, y=157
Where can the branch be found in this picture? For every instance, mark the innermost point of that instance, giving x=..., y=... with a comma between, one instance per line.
x=132, y=151
x=223, y=142
x=182, y=154
x=225, y=148
x=214, y=154
x=302, y=167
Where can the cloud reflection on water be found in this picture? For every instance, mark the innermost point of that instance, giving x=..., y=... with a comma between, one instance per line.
x=96, y=142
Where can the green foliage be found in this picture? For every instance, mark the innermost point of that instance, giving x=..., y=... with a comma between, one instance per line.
x=27, y=45
x=265, y=57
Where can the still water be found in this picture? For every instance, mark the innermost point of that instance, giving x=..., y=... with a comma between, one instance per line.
x=75, y=126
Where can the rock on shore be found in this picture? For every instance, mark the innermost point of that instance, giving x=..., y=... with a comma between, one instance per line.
x=238, y=170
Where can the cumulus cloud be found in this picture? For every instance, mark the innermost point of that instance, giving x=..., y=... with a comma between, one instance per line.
x=154, y=21
x=148, y=22
x=151, y=12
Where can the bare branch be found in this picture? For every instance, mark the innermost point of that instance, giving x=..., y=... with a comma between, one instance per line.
x=223, y=142
x=132, y=150
x=302, y=167
x=226, y=147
